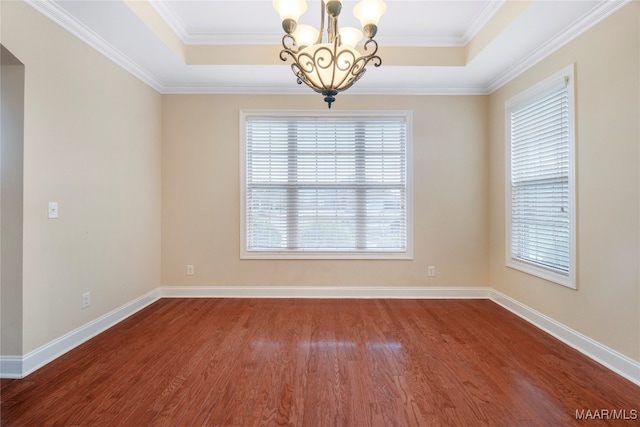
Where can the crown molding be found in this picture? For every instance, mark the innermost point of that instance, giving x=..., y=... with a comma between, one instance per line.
x=172, y=20
x=417, y=90
x=303, y=90
x=212, y=89
x=586, y=22
x=61, y=17
x=481, y=19
x=236, y=39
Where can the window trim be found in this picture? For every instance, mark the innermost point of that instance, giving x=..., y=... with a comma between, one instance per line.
x=569, y=280
x=407, y=115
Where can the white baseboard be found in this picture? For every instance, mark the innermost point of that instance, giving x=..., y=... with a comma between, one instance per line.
x=20, y=367
x=11, y=367
x=619, y=363
x=323, y=292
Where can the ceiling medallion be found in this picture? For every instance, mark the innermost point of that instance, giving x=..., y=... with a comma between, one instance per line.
x=332, y=65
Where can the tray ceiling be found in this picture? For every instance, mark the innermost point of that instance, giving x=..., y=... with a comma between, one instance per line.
x=427, y=47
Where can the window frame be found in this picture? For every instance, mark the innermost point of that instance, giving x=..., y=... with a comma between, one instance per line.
x=526, y=97
x=245, y=253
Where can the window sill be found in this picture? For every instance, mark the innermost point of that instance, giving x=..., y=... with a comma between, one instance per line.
x=408, y=256
x=542, y=273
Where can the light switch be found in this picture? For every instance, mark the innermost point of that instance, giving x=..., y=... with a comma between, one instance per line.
x=53, y=210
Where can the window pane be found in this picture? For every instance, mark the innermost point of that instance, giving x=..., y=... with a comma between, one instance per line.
x=326, y=219
x=540, y=185
x=326, y=184
x=540, y=224
x=386, y=227
x=267, y=218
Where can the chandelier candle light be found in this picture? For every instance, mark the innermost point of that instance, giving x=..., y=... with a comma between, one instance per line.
x=332, y=65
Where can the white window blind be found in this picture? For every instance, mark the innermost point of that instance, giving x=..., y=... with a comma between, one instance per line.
x=541, y=184
x=325, y=184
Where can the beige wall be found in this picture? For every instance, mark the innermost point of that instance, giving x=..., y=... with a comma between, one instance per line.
x=91, y=143
x=11, y=156
x=201, y=206
x=606, y=305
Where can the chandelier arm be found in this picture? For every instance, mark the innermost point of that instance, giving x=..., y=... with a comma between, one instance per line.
x=285, y=53
x=375, y=47
x=332, y=29
x=365, y=60
x=357, y=71
x=304, y=64
x=322, y=13
x=299, y=74
x=334, y=55
x=350, y=67
x=319, y=62
x=352, y=82
x=377, y=61
x=289, y=44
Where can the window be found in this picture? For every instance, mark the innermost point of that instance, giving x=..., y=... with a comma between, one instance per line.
x=325, y=185
x=540, y=180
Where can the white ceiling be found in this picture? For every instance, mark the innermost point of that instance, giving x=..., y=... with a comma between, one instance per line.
x=543, y=26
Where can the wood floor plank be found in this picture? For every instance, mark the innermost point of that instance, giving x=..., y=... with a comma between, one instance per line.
x=314, y=362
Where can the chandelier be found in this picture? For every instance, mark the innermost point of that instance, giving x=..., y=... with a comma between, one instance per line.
x=334, y=64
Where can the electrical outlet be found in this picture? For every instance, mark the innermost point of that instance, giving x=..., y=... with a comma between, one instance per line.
x=86, y=299
x=190, y=270
x=431, y=271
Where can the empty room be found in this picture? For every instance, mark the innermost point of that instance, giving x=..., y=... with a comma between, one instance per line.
x=211, y=215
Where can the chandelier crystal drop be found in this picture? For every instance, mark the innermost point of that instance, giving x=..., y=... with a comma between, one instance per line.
x=333, y=64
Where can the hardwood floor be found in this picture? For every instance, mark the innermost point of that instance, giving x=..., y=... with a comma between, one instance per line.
x=302, y=362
